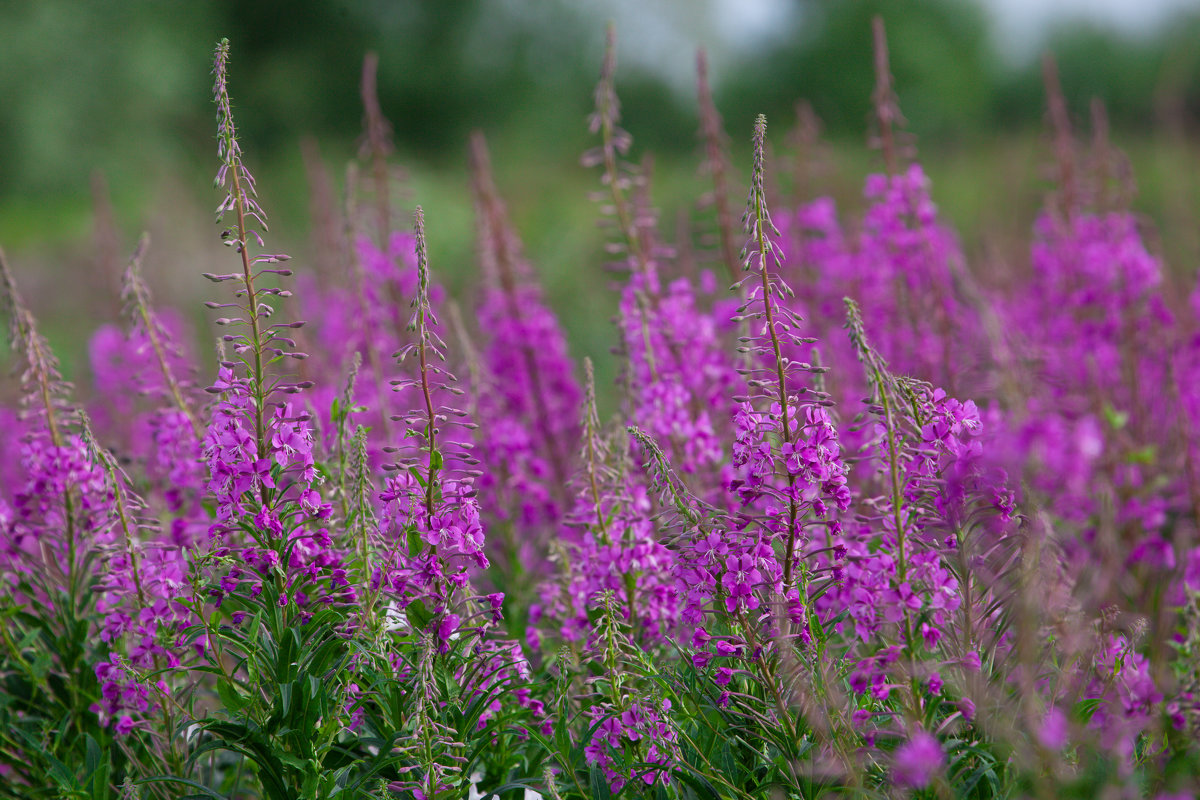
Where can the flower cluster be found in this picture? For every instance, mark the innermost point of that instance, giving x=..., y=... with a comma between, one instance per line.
x=641, y=726
x=528, y=398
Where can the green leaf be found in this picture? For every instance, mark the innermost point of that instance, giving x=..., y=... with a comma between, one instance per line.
x=415, y=543
x=100, y=782
x=312, y=779
x=285, y=698
x=291, y=761
x=233, y=700
x=598, y=785
x=700, y=784
x=28, y=640
x=204, y=791
x=418, y=615
x=91, y=759
x=1115, y=419
x=1086, y=708
x=500, y=790
x=285, y=660
x=1144, y=455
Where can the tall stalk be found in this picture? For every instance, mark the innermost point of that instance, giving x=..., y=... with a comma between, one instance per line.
x=760, y=248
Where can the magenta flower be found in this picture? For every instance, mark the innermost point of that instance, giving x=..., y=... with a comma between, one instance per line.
x=448, y=626
x=917, y=761
x=739, y=581
x=1052, y=734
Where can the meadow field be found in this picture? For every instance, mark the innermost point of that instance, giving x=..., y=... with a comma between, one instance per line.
x=796, y=468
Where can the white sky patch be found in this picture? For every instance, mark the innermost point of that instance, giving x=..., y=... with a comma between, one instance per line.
x=661, y=36
x=1020, y=27
x=746, y=23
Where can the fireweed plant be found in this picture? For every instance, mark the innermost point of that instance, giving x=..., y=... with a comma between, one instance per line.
x=869, y=524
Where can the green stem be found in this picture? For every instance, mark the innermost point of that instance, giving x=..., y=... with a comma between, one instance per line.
x=252, y=311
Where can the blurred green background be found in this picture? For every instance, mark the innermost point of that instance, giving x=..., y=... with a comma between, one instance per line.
x=109, y=102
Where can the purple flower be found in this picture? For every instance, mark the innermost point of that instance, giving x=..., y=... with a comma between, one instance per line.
x=448, y=626
x=917, y=761
x=739, y=581
x=528, y=406
x=1052, y=733
x=727, y=648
